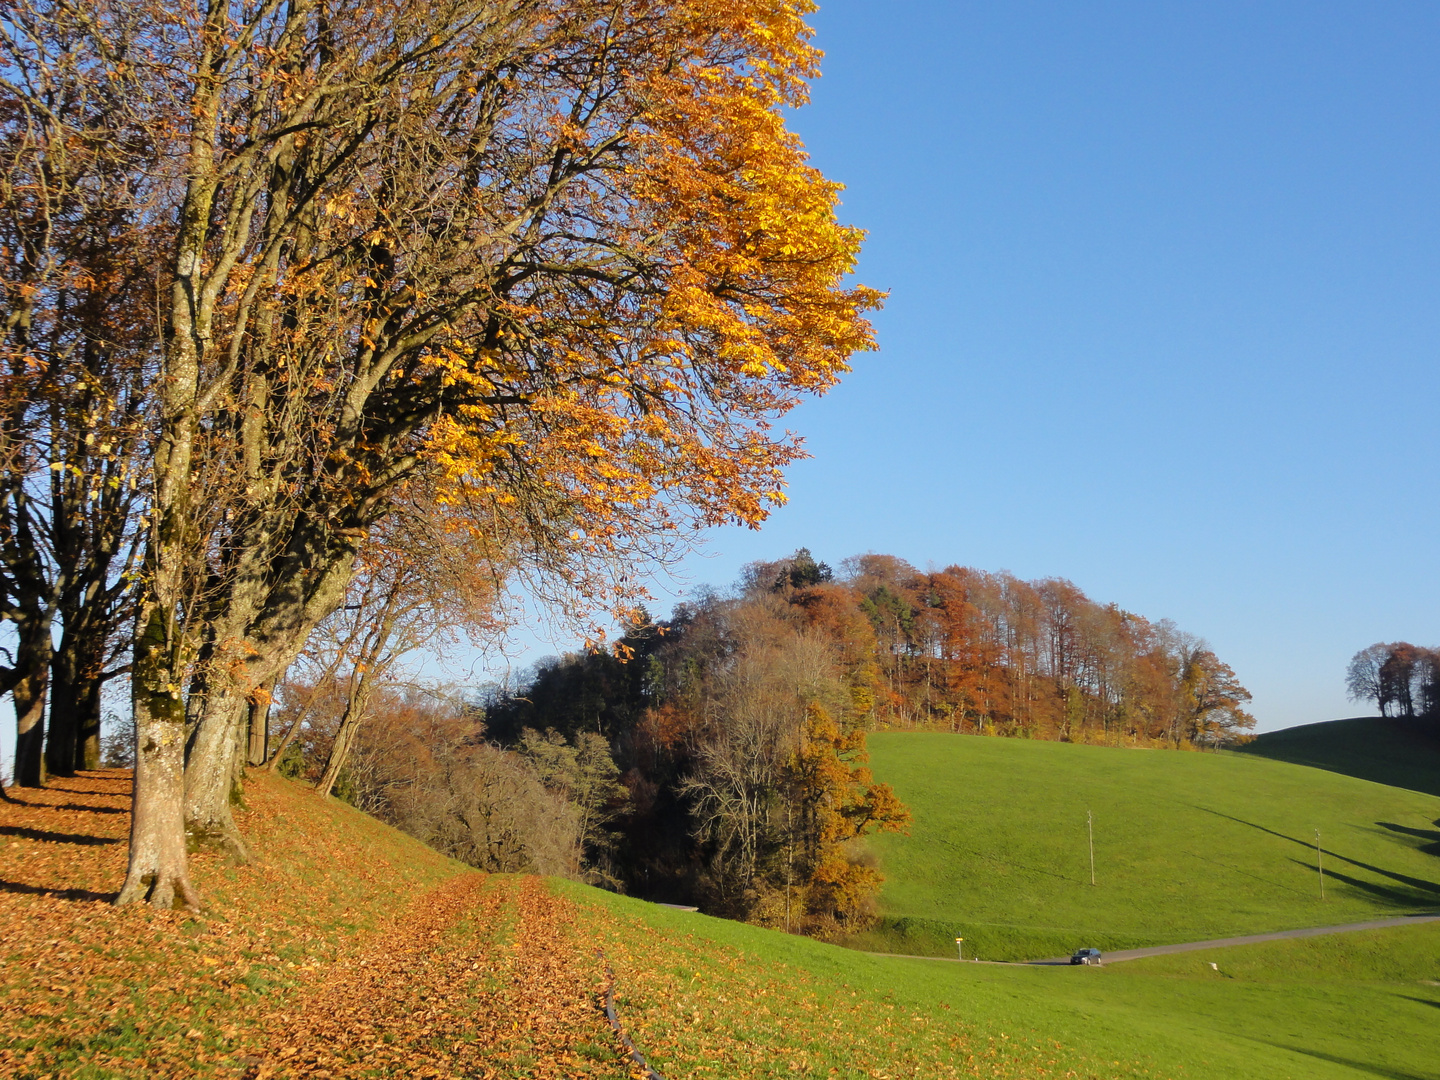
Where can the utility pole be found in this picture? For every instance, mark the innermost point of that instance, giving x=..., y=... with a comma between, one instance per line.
x=1090, y=827
x=1319, y=865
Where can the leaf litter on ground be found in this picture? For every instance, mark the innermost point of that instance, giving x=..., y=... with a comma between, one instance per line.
x=345, y=949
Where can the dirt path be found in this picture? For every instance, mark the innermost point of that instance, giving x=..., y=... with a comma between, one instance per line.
x=480, y=979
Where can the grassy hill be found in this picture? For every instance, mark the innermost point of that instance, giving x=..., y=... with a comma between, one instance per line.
x=1350, y=1007
x=1387, y=750
x=1188, y=846
x=345, y=949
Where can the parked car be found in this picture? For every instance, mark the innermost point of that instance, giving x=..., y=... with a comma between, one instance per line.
x=1086, y=956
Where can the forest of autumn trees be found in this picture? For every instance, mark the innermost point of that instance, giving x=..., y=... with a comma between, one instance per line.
x=739, y=724
x=1400, y=678
x=284, y=281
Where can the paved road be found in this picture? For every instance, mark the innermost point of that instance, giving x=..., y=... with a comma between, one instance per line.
x=1310, y=931
x=1190, y=946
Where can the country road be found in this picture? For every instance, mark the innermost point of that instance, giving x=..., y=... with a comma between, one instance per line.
x=1216, y=943
x=1311, y=931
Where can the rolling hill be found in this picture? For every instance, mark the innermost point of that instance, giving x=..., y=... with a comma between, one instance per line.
x=347, y=949
x=1387, y=750
x=1188, y=846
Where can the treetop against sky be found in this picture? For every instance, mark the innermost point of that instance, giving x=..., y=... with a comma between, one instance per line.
x=1161, y=317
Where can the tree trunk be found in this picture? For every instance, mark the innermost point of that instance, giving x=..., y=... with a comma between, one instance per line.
x=158, y=870
x=68, y=699
x=355, y=708
x=210, y=774
x=88, y=737
x=259, y=724
x=267, y=629
x=32, y=671
x=77, y=676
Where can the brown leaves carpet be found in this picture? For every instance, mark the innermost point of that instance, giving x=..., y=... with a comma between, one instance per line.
x=343, y=949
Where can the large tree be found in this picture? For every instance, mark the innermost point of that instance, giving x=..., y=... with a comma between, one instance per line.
x=558, y=259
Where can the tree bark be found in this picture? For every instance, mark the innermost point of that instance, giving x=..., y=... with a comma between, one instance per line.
x=88, y=738
x=158, y=870
x=61, y=746
x=267, y=629
x=211, y=782
x=259, y=724
x=32, y=670
x=355, y=708
x=70, y=676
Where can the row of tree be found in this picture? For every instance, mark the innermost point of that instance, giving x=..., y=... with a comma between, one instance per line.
x=739, y=724
x=1400, y=678
x=300, y=298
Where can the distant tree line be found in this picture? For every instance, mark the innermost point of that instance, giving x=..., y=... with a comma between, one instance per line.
x=739, y=723
x=1400, y=678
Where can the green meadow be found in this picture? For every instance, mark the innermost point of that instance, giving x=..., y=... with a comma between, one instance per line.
x=1187, y=846
x=1349, y=1006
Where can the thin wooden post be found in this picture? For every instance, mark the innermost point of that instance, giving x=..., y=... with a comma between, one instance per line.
x=1090, y=827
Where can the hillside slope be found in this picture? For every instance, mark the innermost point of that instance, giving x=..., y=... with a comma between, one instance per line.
x=348, y=950
x=1188, y=846
x=344, y=948
x=1387, y=750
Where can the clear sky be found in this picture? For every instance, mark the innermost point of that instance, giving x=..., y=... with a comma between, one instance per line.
x=1164, y=316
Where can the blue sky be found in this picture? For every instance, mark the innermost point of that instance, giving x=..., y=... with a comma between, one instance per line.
x=1164, y=316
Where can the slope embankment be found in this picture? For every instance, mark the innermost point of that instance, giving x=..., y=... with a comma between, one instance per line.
x=1394, y=751
x=346, y=949
x=343, y=949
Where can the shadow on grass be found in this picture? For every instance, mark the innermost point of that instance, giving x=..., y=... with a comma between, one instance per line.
x=1420, y=894
x=1418, y=891
x=1247, y=873
x=84, y=839
x=1386, y=750
x=1431, y=848
x=1363, y=1066
x=1420, y=1001
x=25, y=889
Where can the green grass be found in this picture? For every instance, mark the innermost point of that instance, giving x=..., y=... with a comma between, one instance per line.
x=1401, y=753
x=1188, y=846
x=1339, y=1008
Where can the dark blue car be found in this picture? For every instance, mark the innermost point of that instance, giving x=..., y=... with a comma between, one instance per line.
x=1086, y=956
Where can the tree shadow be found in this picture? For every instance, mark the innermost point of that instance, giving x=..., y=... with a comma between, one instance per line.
x=90, y=809
x=1420, y=1001
x=1421, y=890
x=1387, y=750
x=1431, y=848
x=1247, y=873
x=83, y=839
x=1420, y=893
x=86, y=895
x=1363, y=1066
